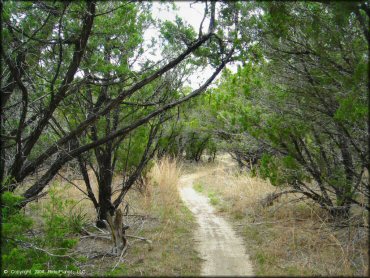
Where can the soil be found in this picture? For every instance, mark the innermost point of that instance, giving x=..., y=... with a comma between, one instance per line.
x=218, y=244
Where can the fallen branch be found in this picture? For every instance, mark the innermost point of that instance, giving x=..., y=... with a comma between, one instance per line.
x=97, y=255
x=100, y=230
x=29, y=245
x=89, y=234
x=270, y=222
x=104, y=236
x=270, y=198
x=141, y=238
x=97, y=236
x=141, y=216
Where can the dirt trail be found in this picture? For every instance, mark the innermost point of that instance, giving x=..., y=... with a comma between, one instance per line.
x=218, y=244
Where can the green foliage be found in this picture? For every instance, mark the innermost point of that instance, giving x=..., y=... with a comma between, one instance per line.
x=178, y=31
x=13, y=220
x=297, y=106
x=300, y=110
x=19, y=250
x=191, y=135
x=61, y=220
x=268, y=169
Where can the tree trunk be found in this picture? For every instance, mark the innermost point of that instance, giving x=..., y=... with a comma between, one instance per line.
x=105, y=192
x=105, y=206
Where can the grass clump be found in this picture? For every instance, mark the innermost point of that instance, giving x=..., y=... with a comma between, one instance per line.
x=213, y=198
x=165, y=175
x=212, y=195
x=198, y=187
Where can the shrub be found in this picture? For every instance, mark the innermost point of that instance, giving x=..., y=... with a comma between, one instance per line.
x=21, y=251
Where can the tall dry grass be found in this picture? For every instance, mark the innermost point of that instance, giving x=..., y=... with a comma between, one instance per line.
x=165, y=175
x=167, y=222
x=243, y=191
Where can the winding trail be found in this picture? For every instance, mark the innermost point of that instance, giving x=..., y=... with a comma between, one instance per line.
x=218, y=244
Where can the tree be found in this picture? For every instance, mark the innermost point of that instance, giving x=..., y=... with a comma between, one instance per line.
x=189, y=137
x=53, y=53
x=304, y=102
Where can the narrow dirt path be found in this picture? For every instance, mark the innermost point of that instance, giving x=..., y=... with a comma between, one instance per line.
x=218, y=244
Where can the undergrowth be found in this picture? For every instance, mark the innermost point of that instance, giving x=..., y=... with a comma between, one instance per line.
x=156, y=213
x=42, y=248
x=291, y=237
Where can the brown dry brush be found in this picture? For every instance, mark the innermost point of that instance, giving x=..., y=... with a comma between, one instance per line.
x=292, y=229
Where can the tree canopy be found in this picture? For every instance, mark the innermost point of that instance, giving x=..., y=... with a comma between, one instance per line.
x=77, y=89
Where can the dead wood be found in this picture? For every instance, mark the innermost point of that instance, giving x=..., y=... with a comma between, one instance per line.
x=141, y=238
x=115, y=223
x=272, y=197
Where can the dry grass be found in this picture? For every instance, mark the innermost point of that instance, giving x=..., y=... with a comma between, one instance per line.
x=242, y=190
x=68, y=191
x=169, y=224
x=165, y=175
x=291, y=237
